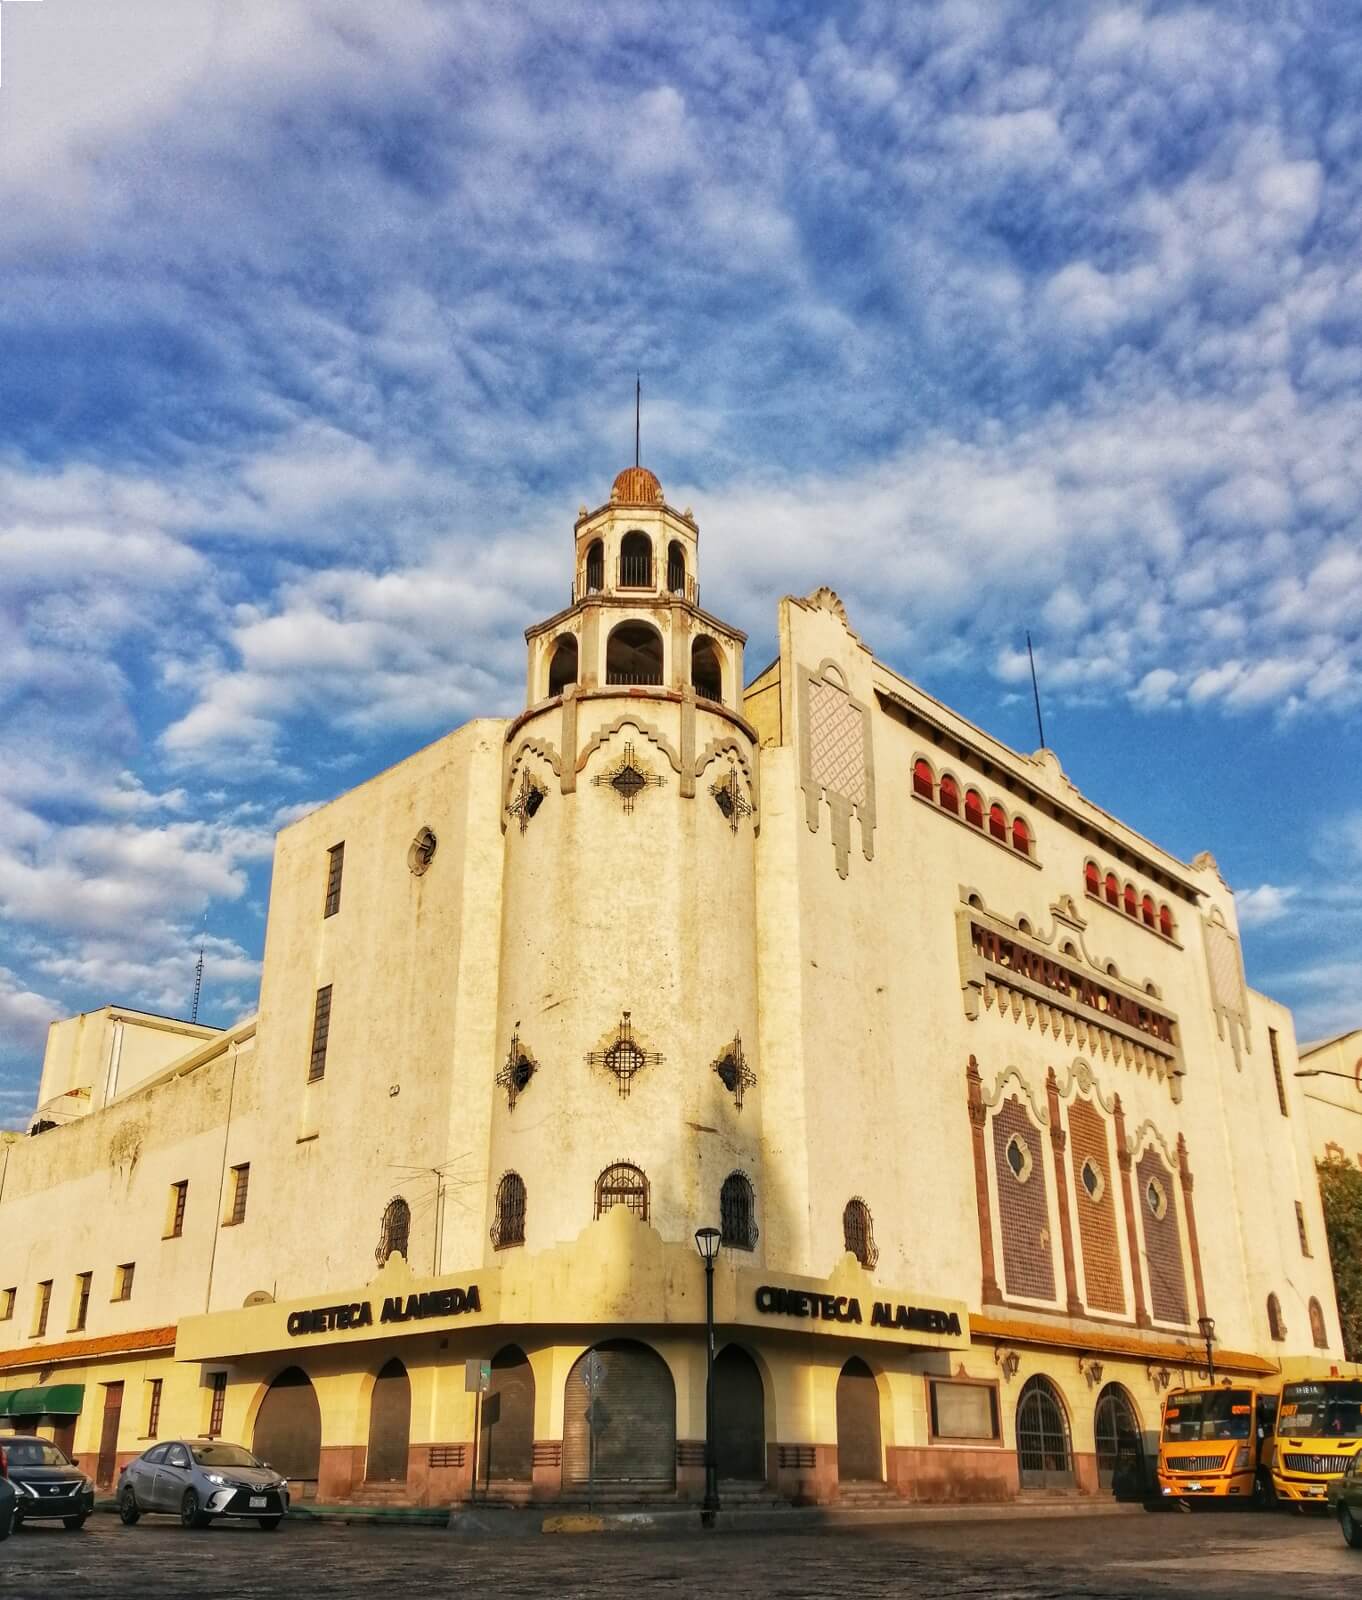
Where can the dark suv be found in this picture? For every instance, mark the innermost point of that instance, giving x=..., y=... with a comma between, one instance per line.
x=47, y=1484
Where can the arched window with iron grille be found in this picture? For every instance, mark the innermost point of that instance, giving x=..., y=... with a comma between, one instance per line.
x=858, y=1232
x=1276, y=1326
x=636, y=561
x=508, y=1227
x=1317, y=1329
x=738, y=1212
x=676, y=568
x=1044, y=1454
x=622, y=1184
x=394, y=1234
x=595, y=567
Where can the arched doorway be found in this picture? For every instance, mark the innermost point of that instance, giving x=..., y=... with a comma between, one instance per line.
x=859, y=1457
x=389, y=1426
x=1044, y=1458
x=1120, y=1444
x=633, y=654
x=739, y=1415
x=633, y=1422
x=506, y=1442
x=563, y=664
x=288, y=1427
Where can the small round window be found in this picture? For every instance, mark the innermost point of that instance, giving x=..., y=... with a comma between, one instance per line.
x=1018, y=1158
x=422, y=852
x=1094, y=1184
x=1156, y=1199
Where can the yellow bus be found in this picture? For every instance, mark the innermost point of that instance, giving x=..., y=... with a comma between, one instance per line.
x=1319, y=1431
x=1214, y=1444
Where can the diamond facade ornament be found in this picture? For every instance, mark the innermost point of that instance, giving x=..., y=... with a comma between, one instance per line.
x=629, y=778
x=527, y=801
x=730, y=799
x=519, y=1068
x=733, y=1071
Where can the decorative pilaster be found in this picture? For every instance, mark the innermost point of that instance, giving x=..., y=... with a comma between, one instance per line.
x=567, y=742
x=1125, y=1161
x=990, y=1294
x=1185, y=1173
x=1058, y=1140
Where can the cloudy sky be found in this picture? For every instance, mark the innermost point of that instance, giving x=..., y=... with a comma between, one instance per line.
x=320, y=318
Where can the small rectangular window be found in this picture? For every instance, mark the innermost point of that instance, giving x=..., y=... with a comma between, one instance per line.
x=179, y=1196
x=1300, y=1229
x=123, y=1276
x=321, y=1029
x=963, y=1410
x=241, y=1183
x=7, y=1299
x=80, y=1304
x=335, y=866
x=40, y=1308
x=218, y=1406
x=153, y=1407
x=1277, y=1070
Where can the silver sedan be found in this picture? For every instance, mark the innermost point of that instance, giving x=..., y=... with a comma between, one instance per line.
x=199, y=1479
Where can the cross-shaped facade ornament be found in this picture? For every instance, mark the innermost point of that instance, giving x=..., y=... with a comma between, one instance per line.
x=629, y=778
x=733, y=1070
x=624, y=1056
x=527, y=801
x=730, y=799
x=520, y=1067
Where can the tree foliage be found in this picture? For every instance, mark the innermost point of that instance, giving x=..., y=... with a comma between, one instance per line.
x=1340, y=1187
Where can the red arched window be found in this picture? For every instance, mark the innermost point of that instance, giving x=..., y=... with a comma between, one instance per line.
x=1021, y=837
x=1165, y=922
x=974, y=808
x=1132, y=901
x=950, y=795
x=1147, y=911
x=1113, y=890
x=922, y=780
x=997, y=823
x=1092, y=878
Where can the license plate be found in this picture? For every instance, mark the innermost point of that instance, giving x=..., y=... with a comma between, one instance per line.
x=1195, y=1486
x=258, y=1502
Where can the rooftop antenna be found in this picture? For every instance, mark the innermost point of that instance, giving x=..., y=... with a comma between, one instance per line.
x=1031, y=657
x=198, y=974
x=638, y=403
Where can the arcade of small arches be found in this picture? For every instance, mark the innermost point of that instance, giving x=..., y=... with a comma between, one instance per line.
x=634, y=659
x=1139, y=907
x=638, y=1445
x=968, y=804
x=635, y=568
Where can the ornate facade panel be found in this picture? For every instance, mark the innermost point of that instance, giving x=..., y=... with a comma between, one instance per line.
x=1095, y=1202
x=836, y=760
x=1023, y=1203
x=1157, y=1199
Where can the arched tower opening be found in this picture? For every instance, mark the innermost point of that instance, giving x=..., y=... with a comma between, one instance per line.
x=633, y=654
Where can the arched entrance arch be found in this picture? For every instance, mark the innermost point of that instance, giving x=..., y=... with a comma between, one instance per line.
x=860, y=1457
x=1120, y=1444
x=633, y=654
x=288, y=1427
x=632, y=1429
x=385, y=1461
x=1044, y=1456
x=739, y=1415
x=506, y=1440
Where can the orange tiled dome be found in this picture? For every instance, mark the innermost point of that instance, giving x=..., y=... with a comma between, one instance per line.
x=636, y=486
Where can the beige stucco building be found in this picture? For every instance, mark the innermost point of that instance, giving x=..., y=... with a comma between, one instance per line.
x=1331, y=1082
x=966, y=1070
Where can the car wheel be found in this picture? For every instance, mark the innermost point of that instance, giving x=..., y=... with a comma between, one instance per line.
x=128, y=1509
x=74, y=1524
x=192, y=1513
x=269, y=1524
x=1352, y=1528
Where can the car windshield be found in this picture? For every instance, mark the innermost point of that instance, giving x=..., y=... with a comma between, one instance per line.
x=1322, y=1410
x=1208, y=1414
x=223, y=1455
x=34, y=1453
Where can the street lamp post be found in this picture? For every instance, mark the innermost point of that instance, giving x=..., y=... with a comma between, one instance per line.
x=1206, y=1327
x=707, y=1242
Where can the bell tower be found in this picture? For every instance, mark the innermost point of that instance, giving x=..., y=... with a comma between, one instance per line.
x=635, y=619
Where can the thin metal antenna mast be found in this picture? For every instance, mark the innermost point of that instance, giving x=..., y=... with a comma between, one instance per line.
x=638, y=403
x=198, y=985
x=1031, y=656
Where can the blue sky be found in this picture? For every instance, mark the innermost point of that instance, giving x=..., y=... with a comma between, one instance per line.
x=319, y=321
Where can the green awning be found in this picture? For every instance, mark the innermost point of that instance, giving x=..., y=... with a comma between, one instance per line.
x=57, y=1400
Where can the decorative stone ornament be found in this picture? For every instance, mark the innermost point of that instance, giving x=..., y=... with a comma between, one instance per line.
x=629, y=777
x=422, y=852
x=624, y=1056
x=527, y=801
x=733, y=1071
x=520, y=1066
x=729, y=798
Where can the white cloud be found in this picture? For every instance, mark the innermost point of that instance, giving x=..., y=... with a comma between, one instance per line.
x=1264, y=904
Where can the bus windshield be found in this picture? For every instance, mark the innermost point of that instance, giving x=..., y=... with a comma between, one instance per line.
x=1329, y=1408
x=1208, y=1414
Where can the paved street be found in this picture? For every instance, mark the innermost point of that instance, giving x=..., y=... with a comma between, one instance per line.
x=1211, y=1556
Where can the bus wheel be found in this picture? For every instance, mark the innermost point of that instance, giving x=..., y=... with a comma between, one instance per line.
x=1352, y=1528
x=1264, y=1495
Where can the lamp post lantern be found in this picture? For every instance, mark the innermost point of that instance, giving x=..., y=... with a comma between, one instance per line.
x=707, y=1242
x=1206, y=1327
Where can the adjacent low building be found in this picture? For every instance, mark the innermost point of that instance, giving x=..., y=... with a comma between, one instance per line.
x=965, y=1070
